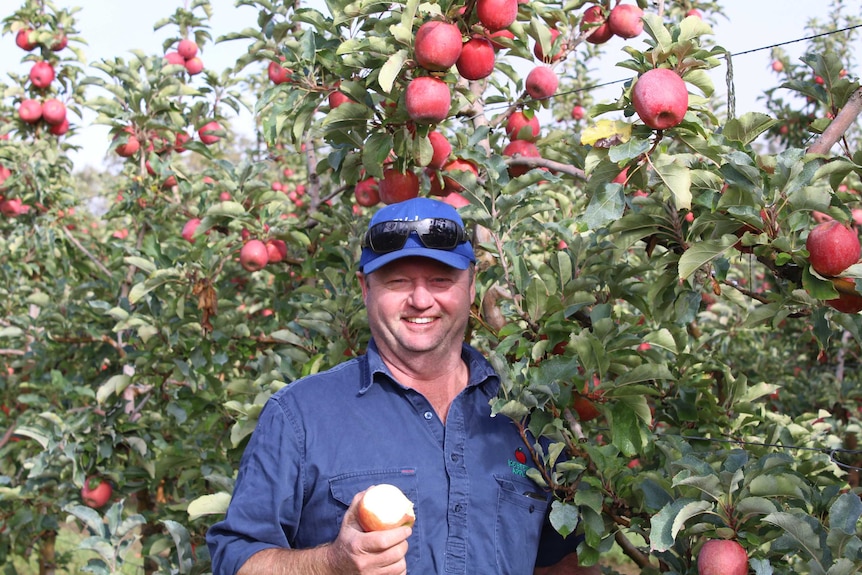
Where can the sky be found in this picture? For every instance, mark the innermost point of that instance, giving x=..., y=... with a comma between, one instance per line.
x=112, y=28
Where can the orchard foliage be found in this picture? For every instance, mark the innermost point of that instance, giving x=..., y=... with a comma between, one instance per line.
x=646, y=295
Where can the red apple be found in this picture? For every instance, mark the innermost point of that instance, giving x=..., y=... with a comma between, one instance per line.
x=194, y=66
x=694, y=12
x=366, y=192
x=4, y=175
x=585, y=408
x=180, y=141
x=428, y=100
x=22, y=39
x=832, y=248
x=722, y=557
x=175, y=59
x=578, y=112
x=337, y=98
x=396, y=186
x=131, y=146
x=660, y=98
x=496, y=14
x=441, y=150
x=253, y=256
x=500, y=34
x=60, y=42
x=437, y=45
x=54, y=111
x=455, y=200
x=449, y=184
x=30, y=111
x=540, y=54
x=626, y=20
x=189, y=228
x=477, y=58
x=276, y=251
x=383, y=507
x=208, y=133
x=541, y=83
x=96, y=492
x=594, y=17
x=187, y=49
x=61, y=128
x=518, y=121
x=277, y=73
x=520, y=148
x=777, y=66
x=42, y=74
x=13, y=207
x=846, y=303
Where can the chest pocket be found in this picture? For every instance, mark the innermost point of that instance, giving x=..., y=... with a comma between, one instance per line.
x=521, y=510
x=345, y=486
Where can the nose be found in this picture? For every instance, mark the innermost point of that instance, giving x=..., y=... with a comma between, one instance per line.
x=420, y=296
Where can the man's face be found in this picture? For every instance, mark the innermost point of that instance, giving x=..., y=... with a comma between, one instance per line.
x=418, y=305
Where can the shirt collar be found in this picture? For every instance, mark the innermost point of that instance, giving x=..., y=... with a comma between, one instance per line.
x=481, y=371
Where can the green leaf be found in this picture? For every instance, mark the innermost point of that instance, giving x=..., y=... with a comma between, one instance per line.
x=702, y=253
x=800, y=530
x=229, y=209
x=777, y=486
x=677, y=178
x=564, y=517
x=390, y=70
x=665, y=524
x=748, y=127
x=214, y=504
x=114, y=386
x=142, y=264
x=654, y=26
x=606, y=206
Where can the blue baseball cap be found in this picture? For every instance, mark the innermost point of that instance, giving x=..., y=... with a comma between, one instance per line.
x=414, y=210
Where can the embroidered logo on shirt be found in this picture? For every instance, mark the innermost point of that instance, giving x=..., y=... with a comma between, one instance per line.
x=519, y=464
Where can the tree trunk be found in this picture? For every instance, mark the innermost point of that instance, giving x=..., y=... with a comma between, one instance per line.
x=47, y=553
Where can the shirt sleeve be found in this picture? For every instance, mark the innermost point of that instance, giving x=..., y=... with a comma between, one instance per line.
x=267, y=499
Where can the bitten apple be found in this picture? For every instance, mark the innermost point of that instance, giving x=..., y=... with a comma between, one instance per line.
x=383, y=507
x=660, y=98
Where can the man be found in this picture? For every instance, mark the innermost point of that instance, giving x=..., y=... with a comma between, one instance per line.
x=413, y=412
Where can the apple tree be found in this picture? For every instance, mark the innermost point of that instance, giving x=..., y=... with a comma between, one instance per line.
x=645, y=287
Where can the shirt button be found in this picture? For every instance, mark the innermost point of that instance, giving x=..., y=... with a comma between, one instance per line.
x=457, y=508
x=428, y=415
x=454, y=457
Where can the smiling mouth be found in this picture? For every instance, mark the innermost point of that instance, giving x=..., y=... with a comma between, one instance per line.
x=419, y=320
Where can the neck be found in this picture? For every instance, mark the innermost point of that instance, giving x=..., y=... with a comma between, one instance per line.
x=439, y=384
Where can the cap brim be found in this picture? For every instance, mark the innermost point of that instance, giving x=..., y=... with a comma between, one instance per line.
x=450, y=258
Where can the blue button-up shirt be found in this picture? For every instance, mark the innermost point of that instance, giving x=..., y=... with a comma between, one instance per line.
x=326, y=437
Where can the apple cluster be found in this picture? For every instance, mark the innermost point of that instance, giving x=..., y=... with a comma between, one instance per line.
x=186, y=55
x=37, y=110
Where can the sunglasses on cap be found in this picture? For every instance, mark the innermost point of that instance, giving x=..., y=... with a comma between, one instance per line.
x=434, y=233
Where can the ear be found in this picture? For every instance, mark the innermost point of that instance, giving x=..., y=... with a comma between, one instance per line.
x=363, y=283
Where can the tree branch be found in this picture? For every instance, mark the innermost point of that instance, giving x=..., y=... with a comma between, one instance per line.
x=835, y=130
x=560, y=167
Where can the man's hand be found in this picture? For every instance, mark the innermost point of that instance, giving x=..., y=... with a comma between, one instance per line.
x=353, y=552
x=377, y=552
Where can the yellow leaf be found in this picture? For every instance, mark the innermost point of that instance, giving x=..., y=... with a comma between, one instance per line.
x=606, y=133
